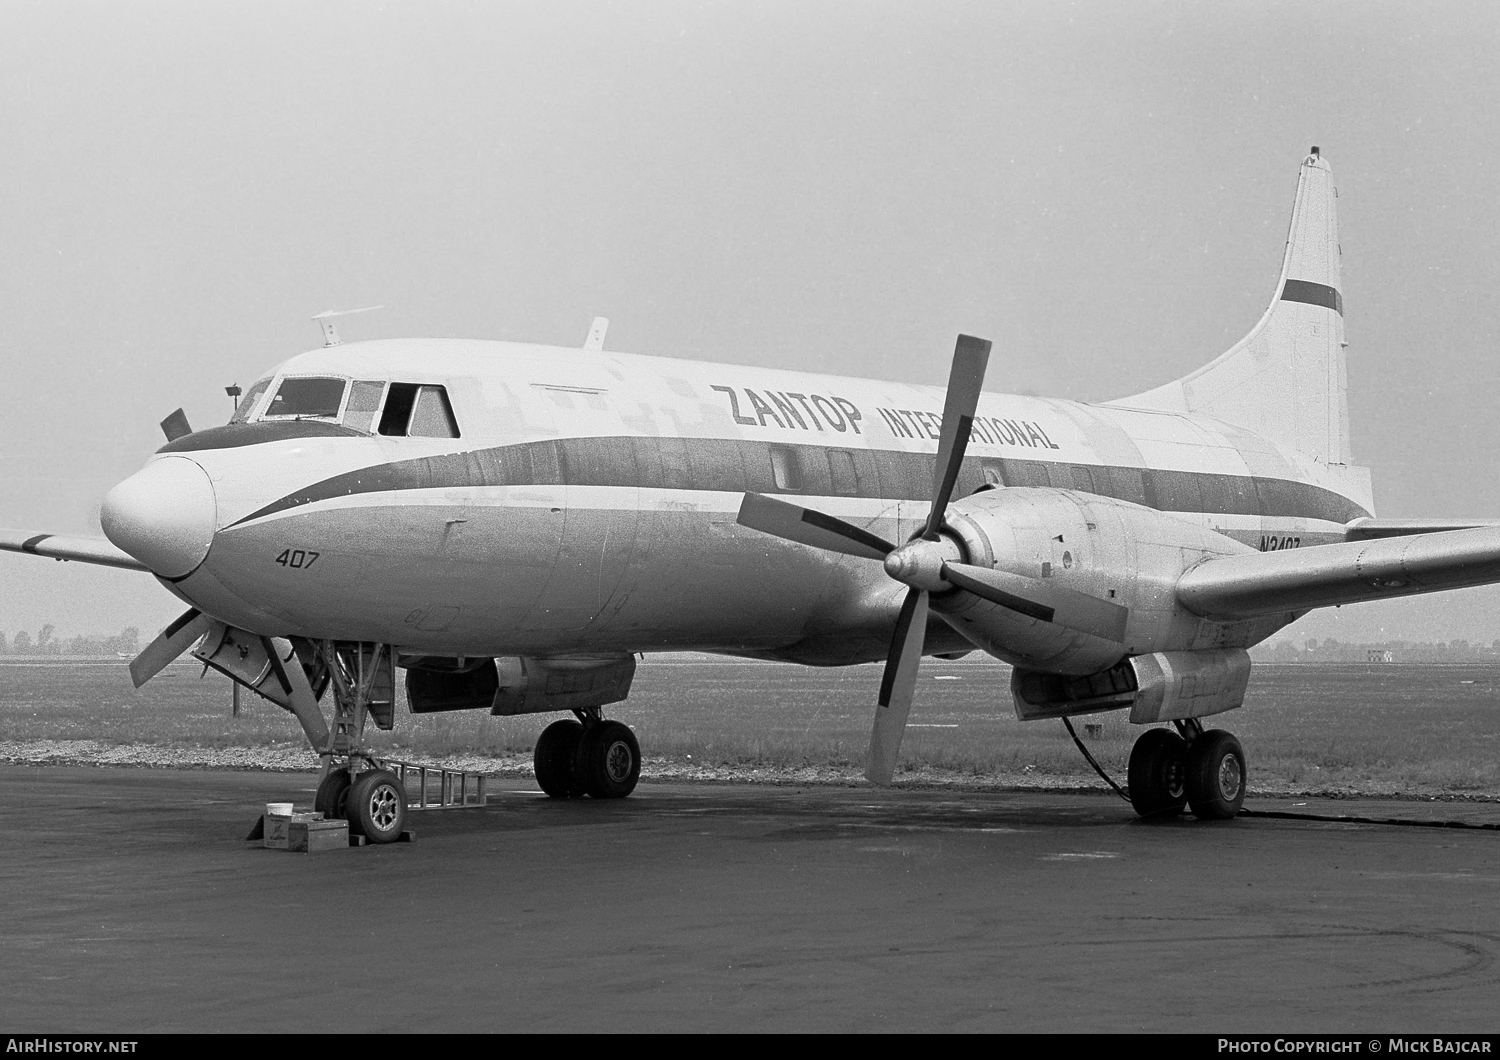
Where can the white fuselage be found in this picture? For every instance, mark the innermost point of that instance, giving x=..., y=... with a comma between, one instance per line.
x=589, y=503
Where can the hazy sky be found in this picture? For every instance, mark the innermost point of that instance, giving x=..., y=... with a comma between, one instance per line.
x=1101, y=188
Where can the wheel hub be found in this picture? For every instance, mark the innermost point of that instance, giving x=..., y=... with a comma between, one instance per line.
x=1229, y=778
x=383, y=806
x=618, y=761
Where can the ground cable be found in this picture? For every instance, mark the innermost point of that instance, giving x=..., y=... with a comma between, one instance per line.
x=1097, y=768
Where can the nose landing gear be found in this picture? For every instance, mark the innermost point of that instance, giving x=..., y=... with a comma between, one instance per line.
x=1203, y=771
x=372, y=799
x=590, y=756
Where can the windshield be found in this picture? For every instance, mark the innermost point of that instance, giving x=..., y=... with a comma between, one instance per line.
x=307, y=397
x=248, y=403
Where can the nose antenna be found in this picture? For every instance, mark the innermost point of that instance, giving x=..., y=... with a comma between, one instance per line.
x=325, y=321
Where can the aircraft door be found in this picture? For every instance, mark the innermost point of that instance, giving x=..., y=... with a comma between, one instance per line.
x=602, y=513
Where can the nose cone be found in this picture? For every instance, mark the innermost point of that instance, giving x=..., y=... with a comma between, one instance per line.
x=164, y=515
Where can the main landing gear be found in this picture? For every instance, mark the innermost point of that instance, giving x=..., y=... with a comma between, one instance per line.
x=1203, y=771
x=589, y=756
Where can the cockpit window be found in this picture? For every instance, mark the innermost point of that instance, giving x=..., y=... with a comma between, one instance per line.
x=248, y=403
x=418, y=411
x=307, y=397
x=364, y=402
x=433, y=417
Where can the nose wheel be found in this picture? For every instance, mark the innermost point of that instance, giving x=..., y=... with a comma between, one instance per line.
x=374, y=803
x=1202, y=771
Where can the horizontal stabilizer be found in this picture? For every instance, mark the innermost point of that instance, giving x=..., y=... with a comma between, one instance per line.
x=1369, y=529
x=64, y=547
x=1297, y=579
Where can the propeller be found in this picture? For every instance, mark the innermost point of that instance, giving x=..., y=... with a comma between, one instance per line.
x=928, y=563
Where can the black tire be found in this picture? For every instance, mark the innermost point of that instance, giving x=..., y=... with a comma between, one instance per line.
x=1157, y=776
x=1216, y=776
x=377, y=806
x=555, y=759
x=609, y=760
x=333, y=795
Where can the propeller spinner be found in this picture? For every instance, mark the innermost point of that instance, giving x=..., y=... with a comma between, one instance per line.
x=930, y=563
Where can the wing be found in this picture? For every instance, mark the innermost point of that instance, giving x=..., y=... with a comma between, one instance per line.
x=1264, y=583
x=1367, y=529
x=61, y=546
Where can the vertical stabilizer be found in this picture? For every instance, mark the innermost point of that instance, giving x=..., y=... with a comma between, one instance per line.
x=1285, y=380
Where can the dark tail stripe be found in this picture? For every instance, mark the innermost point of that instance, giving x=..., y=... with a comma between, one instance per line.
x=732, y=466
x=1313, y=294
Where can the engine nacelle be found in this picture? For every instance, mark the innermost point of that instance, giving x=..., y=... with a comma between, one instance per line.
x=1110, y=549
x=521, y=685
x=1162, y=686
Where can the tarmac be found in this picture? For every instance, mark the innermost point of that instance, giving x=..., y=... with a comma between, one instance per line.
x=131, y=903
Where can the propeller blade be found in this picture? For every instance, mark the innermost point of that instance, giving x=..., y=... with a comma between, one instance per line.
x=169, y=643
x=970, y=358
x=176, y=426
x=807, y=527
x=1036, y=599
x=896, y=688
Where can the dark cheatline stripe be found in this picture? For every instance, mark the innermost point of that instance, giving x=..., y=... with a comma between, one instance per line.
x=736, y=466
x=1313, y=294
x=30, y=544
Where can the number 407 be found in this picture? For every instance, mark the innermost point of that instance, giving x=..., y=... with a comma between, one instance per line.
x=297, y=558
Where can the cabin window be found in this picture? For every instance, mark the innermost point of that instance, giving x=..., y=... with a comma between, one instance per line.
x=1128, y=484
x=1083, y=478
x=418, y=411
x=250, y=402
x=1059, y=476
x=841, y=466
x=784, y=468
x=307, y=398
x=364, y=402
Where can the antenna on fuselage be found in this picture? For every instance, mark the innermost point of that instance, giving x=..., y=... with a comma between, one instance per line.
x=595, y=341
x=325, y=321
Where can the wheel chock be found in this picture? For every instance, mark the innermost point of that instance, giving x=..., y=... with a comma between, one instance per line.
x=361, y=841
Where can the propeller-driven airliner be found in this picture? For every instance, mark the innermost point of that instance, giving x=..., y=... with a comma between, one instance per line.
x=514, y=525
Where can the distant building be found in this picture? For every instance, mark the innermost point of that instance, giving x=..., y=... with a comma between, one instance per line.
x=1380, y=655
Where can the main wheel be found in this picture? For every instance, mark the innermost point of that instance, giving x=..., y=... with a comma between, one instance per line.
x=377, y=806
x=1156, y=774
x=1215, y=776
x=609, y=760
x=333, y=795
x=555, y=759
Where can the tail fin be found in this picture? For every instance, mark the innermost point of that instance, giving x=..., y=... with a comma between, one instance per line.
x=1285, y=380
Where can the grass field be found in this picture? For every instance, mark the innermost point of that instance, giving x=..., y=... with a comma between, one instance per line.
x=1356, y=727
